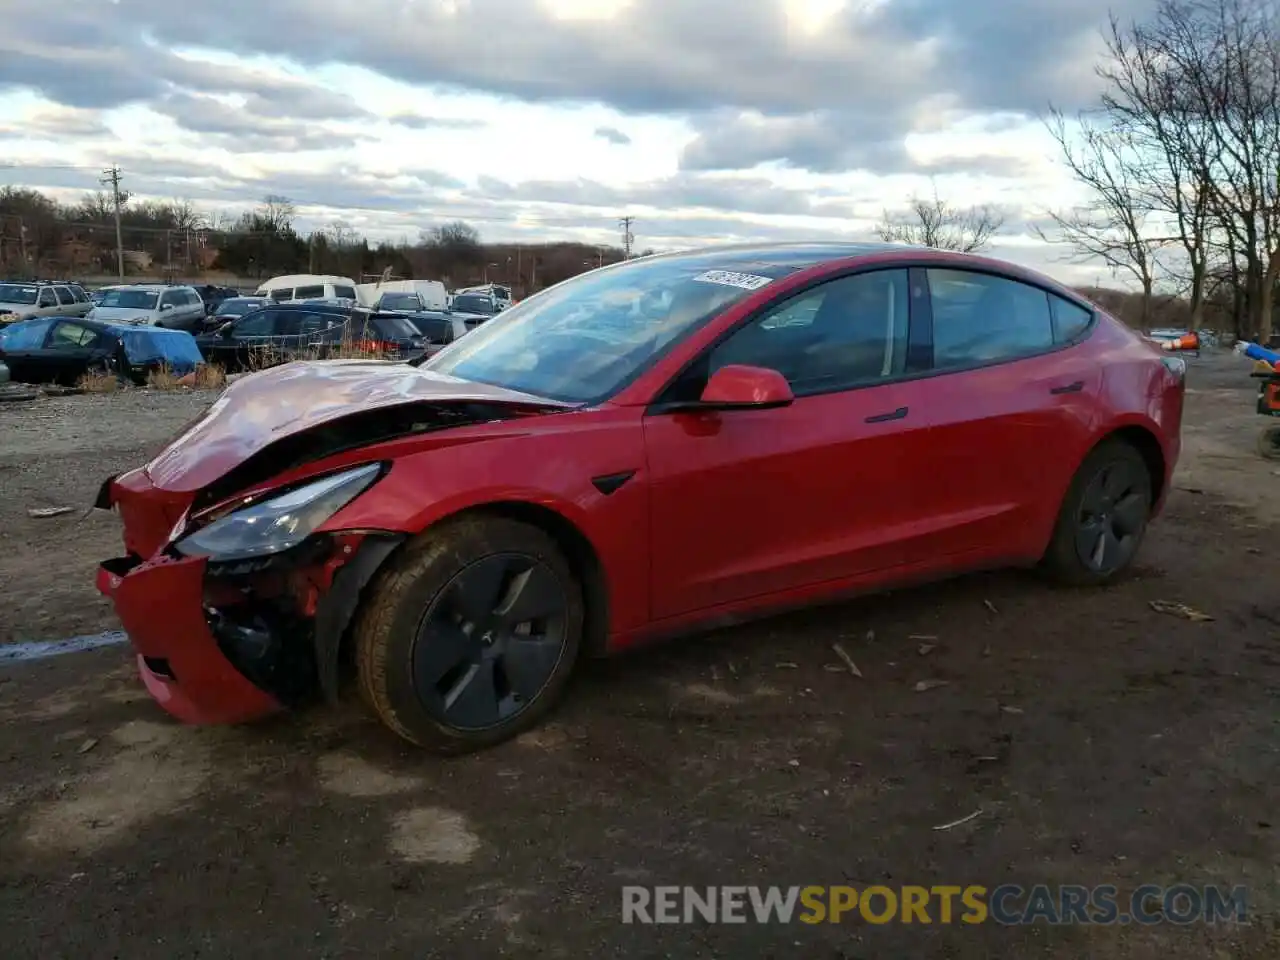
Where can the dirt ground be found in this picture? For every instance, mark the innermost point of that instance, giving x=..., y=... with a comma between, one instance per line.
x=1101, y=741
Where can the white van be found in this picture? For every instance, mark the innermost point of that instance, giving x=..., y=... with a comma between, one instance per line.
x=308, y=286
x=431, y=292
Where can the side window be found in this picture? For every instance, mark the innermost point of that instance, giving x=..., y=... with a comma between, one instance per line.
x=259, y=324
x=308, y=293
x=288, y=323
x=1069, y=319
x=281, y=293
x=168, y=299
x=47, y=298
x=79, y=295
x=64, y=295
x=346, y=293
x=979, y=318
x=313, y=323
x=844, y=333
x=25, y=336
x=71, y=336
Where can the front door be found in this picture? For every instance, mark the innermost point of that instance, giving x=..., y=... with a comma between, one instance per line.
x=748, y=503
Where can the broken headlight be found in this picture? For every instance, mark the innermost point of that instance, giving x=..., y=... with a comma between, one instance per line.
x=280, y=522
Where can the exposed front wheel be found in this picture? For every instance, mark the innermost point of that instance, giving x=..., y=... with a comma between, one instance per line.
x=1103, y=517
x=471, y=636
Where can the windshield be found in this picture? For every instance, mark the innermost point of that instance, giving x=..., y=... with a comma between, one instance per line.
x=13, y=293
x=584, y=339
x=470, y=303
x=130, y=299
x=400, y=301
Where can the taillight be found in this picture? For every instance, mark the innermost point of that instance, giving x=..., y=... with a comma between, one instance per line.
x=1177, y=366
x=377, y=346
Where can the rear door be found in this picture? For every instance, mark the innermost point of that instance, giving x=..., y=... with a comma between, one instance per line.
x=1010, y=409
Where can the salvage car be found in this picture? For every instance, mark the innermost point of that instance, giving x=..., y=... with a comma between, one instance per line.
x=56, y=350
x=158, y=304
x=306, y=329
x=640, y=451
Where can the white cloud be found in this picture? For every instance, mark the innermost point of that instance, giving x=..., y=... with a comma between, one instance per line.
x=706, y=120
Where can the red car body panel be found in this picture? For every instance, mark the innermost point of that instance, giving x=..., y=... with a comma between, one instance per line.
x=290, y=399
x=723, y=515
x=160, y=606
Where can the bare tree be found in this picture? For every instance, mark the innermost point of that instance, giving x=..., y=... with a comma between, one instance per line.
x=277, y=213
x=936, y=223
x=1112, y=226
x=1146, y=99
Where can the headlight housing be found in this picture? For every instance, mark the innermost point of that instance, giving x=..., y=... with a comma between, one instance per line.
x=280, y=522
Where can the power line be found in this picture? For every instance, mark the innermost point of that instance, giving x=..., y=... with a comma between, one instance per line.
x=112, y=177
x=627, y=236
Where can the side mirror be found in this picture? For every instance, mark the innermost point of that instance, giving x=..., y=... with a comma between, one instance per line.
x=738, y=385
x=225, y=329
x=166, y=307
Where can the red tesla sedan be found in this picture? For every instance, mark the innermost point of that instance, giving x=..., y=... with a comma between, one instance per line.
x=648, y=448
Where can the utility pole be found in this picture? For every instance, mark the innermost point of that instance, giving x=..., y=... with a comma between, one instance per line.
x=627, y=236
x=112, y=177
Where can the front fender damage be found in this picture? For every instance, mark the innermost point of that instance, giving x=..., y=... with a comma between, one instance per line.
x=338, y=604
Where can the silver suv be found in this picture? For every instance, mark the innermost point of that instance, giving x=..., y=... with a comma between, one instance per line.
x=41, y=298
x=153, y=304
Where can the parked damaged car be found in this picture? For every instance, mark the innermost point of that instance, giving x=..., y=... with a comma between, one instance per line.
x=307, y=330
x=640, y=451
x=61, y=351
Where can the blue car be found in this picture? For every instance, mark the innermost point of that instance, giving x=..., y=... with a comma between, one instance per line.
x=61, y=350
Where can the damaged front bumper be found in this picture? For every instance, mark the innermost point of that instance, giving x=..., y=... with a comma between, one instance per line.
x=233, y=642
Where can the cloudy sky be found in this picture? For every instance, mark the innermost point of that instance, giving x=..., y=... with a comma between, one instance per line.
x=706, y=120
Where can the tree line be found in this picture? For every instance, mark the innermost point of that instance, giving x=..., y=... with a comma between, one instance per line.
x=1180, y=161
x=40, y=237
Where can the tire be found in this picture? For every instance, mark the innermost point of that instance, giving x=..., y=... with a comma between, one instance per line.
x=1269, y=443
x=1103, y=517
x=434, y=652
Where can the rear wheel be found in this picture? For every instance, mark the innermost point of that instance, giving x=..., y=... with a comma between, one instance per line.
x=1269, y=443
x=471, y=636
x=1103, y=517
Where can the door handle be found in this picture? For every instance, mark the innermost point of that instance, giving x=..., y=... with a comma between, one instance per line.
x=1069, y=388
x=884, y=417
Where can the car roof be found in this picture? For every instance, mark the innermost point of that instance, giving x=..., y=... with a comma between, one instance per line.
x=152, y=287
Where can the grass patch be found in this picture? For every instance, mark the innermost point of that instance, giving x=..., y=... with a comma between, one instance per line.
x=210, y=376
x=206, y=376
x=99, y=382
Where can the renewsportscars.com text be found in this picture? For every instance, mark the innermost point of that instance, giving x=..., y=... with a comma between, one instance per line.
x=1008, y=904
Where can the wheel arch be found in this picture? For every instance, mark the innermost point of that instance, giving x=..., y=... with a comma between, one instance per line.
x=1147, y=443
x=578, y=549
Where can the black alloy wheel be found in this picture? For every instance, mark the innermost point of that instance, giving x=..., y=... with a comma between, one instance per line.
x=490, y=641
x=1112, y=516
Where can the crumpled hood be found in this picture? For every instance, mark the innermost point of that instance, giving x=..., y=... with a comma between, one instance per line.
x=261, y=408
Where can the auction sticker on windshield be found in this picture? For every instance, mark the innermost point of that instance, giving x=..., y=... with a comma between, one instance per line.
x=747, y=281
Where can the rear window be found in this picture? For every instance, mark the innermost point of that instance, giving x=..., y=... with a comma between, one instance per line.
x=436, y=330
x=27, y=335
x=394, y=328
